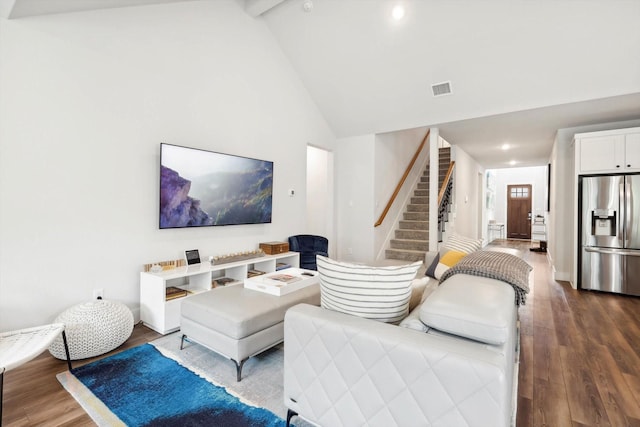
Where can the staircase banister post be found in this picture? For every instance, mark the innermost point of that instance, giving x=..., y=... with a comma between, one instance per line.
x=446, y=181
x=433, y=188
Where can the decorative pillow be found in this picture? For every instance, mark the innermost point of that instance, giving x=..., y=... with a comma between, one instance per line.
x=431, y=270
x=478, y=308
x=463, y=244
x=442, y=263
x=377, y=293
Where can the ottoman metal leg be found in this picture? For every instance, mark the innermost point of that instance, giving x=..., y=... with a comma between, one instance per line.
x=238, y=364
x=239, y=368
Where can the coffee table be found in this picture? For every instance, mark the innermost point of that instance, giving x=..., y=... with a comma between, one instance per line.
x=239, y=323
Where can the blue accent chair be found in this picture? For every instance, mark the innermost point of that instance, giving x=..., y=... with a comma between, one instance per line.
x=309, y=246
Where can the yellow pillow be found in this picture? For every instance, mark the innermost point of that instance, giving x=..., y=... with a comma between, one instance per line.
x=446, y=261
x=451, y=258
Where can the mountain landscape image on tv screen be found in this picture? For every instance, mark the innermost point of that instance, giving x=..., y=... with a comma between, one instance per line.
x=201, y=188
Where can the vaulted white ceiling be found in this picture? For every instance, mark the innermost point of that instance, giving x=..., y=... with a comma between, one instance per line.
x=23, y=8
x=519, y=69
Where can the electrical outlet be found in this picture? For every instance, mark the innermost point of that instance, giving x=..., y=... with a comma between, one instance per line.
x=98, y=293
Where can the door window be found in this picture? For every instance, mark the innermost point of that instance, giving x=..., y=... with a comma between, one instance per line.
x=519, y=192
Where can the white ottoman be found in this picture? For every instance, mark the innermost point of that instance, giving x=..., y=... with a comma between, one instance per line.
x=93, y=328
x=237, y=322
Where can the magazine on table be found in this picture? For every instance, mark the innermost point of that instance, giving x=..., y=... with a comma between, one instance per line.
x=285, y=278
x=282, y=282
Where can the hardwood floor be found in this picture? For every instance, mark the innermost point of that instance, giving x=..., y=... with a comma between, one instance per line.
x=580, y=354
x=34, y=397
x=579, y=362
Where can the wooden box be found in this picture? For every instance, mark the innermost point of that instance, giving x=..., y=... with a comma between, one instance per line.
x=274, y=248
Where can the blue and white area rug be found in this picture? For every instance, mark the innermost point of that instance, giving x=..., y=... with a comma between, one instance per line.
x=143, y=387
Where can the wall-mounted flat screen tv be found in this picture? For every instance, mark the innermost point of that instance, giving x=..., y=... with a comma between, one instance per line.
x=201, y=188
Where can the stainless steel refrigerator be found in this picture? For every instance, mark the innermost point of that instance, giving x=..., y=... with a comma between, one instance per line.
x=610, y=233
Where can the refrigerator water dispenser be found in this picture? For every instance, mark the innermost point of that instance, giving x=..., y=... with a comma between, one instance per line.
x=603, y=222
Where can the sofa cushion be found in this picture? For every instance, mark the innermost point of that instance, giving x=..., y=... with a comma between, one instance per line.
x=412, y=321
x=440, y=264
x=478, y=308
x=463, y=244
x=377, y=293
x=418, y=286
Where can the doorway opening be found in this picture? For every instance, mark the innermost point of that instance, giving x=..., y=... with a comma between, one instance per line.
x=320, y=194
x=519, y=211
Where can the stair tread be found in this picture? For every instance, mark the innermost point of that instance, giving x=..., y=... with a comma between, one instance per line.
x=414, y=230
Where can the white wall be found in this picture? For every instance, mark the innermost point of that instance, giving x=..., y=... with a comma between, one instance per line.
x=368, y=168
x=354, y=166
x=561, y=214
x=465, y=208
x=86, y=100
x=393, y=153
x=535, y=175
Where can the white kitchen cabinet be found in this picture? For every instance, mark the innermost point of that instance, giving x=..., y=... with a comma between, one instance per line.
x=615, y=151
x=632, y=151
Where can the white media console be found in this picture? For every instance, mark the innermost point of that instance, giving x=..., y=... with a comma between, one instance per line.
x=163, y=315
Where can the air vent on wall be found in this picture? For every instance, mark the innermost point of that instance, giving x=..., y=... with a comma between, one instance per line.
x=440, y=89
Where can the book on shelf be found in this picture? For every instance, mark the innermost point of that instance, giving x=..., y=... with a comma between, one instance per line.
x=282, y=266
x=222, y=281
x=172, y=292
x=253, y=273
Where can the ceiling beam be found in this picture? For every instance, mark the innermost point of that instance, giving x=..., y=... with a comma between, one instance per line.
x=6, y=6
x=12, y=9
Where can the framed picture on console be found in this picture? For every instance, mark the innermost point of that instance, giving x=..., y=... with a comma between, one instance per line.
x=193, y=257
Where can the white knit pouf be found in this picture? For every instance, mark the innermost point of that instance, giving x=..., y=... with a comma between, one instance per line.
x=93, y=328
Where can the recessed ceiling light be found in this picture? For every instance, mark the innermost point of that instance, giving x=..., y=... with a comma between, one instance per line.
x=513, y=162
x=505, y=146
x=397, y=12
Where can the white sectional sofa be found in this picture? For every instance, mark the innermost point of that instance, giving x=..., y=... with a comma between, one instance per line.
x=458, y=369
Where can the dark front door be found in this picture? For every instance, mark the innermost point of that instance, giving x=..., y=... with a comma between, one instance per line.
x=519, y=211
